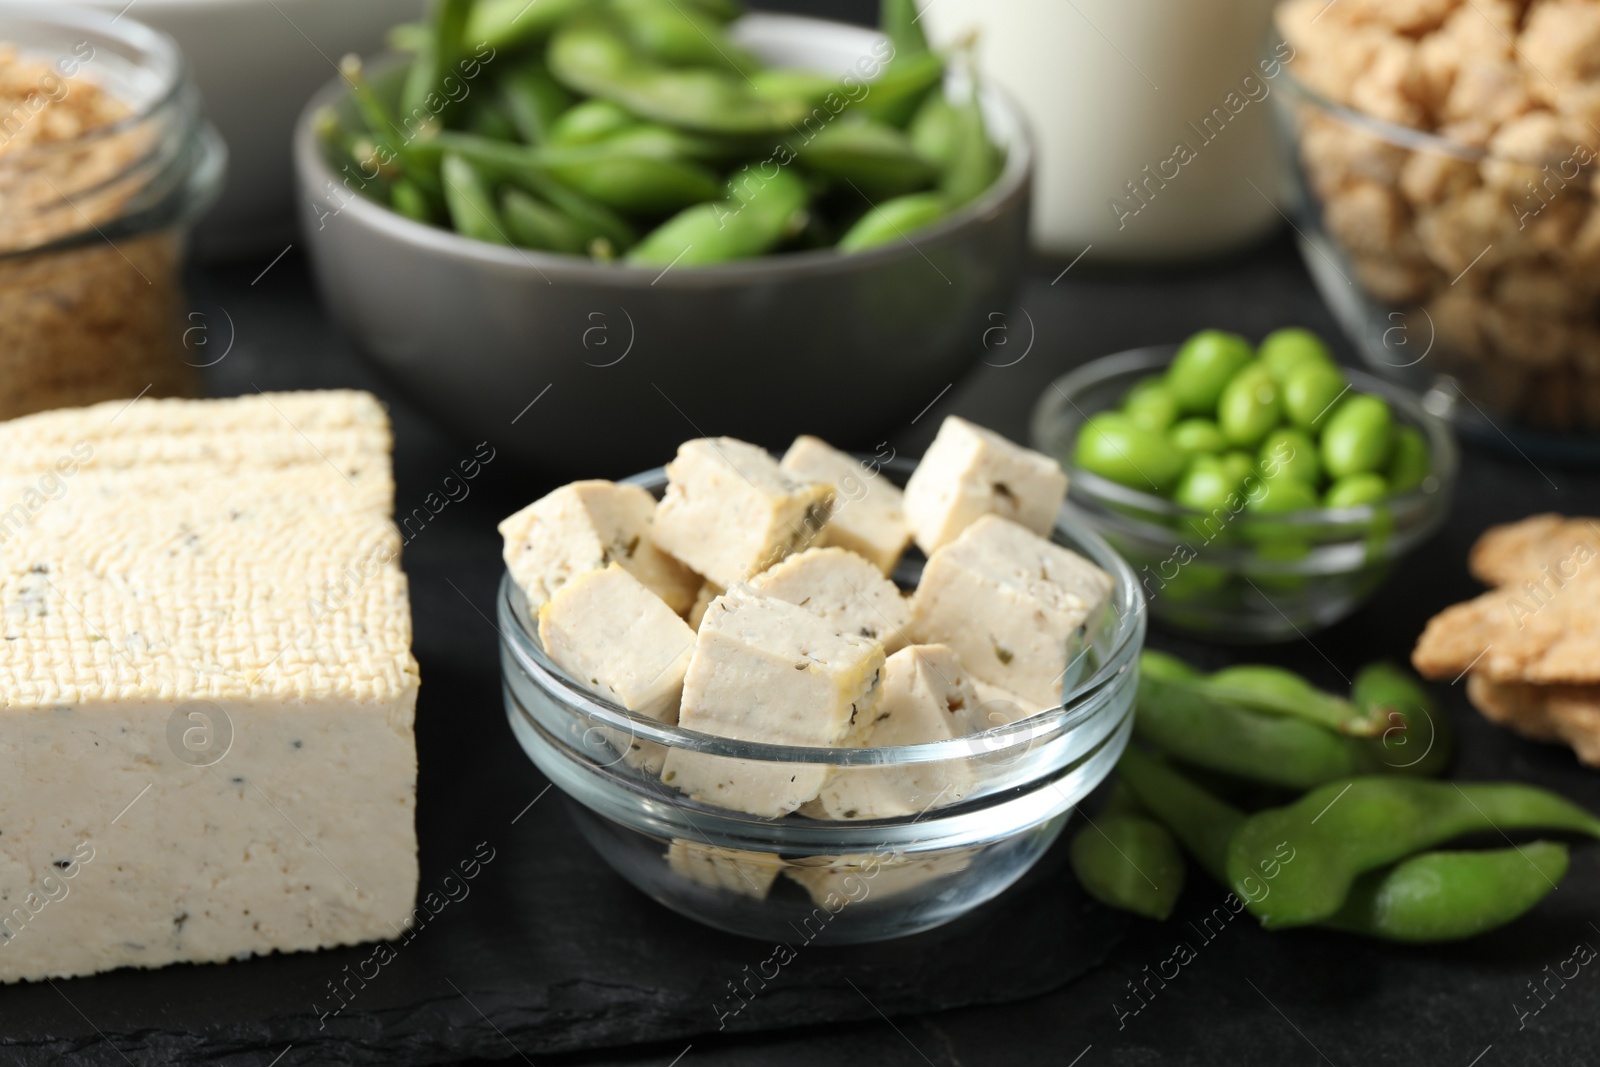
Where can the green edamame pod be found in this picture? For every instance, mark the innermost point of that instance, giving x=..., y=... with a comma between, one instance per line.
x=1417, y=737
x=435, y=54
x=586, y=55
x=933, y=130
x=1344, y=829
x=508, y=23
x=789, y=84
x=1129, y=862
x=471, y=207
x=1204, y=365
x=590, y=121
x=893, y=220
x=902, y=24
x=1276, y=691
x=410, y=201
x=1186, y=721
x=729, y=229
x=486, y=118
x=894, y=95
x=630, y=182
x=681, y=36
x=393, y=143
x=974, y=160
x=1409, y=463
x=1357, y=436
x=1203, y=824
x=1171, y=668
x=534, y=101
x=1448, y=896
x=539, y=226
x=876, y=159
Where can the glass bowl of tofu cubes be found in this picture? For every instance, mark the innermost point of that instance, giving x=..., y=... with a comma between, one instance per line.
x=820, y=697
x=1235, y=574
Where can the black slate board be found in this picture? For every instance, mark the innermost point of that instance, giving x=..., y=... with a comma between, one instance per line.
x=548, y=950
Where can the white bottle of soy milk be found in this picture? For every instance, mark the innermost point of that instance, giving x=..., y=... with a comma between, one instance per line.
x=1152, y=117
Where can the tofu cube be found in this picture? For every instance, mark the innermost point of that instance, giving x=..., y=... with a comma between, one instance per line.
x=845, y=590
x=735, y=870
x=1012, y=605
x=766, y=670
x=622, y=641
x=927, y=696
x=583, y=527
x=730, y=512
x=833, y=881
x=969, y=472
x=869, y=515
x=709, y=591
x=997, y=706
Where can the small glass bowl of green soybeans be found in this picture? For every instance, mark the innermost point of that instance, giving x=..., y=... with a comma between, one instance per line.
x=1261, y=492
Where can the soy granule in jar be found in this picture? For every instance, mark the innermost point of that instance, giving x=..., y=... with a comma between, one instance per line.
x=84, y=316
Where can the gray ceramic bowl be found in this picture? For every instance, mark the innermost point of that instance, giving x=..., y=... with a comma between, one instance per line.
x=621, y=363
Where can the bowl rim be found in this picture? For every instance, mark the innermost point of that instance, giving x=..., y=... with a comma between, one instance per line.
x=1080, y=705
x=1434, y=489
x=315, y=176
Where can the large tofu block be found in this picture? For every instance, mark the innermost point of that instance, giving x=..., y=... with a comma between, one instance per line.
x=1012, y=605
x=969, y=472
x=206, y=685
x=622, y=641
x=927, y=696
x=735, y=870
x=583, y=527
x=730, y=512
x=868, y=516
x=766, y=670
x=843, y=589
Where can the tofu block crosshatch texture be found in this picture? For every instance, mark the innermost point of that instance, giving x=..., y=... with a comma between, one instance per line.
x=207, y=683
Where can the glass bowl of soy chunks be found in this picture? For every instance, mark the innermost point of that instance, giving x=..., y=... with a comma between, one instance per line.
x=825, y=696
x=652, y=133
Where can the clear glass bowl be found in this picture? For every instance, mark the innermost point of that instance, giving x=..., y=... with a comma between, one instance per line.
x=1006, y=793
x=1242, y=579
x=1453, y=271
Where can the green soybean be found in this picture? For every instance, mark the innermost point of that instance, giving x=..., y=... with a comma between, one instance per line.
x=1342, y=830
x=905, y=82
x=1115, y=447
x=1284, y=351
x=1207, y=485
x=539, y=226
x=876, y=159
x=1150, y=405
x=1239, y=464
x=508, y=23
x=787, y=85
x=1449, y=896
x=1290, y=453
x=1275, y=691
x=1354, y=490
x=680, y=36
x=1194, y=436
x=411, y=201
x=1357, y=436
x=1409, y=462
x=893, y=220
x=630, y=181
x=1129, y=862
x=471, y=206
x=1310, y=392
x=726, y=230
x=1248, y=407
x=1204, y=366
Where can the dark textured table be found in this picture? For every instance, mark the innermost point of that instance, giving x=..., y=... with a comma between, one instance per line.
x=1247, y=996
